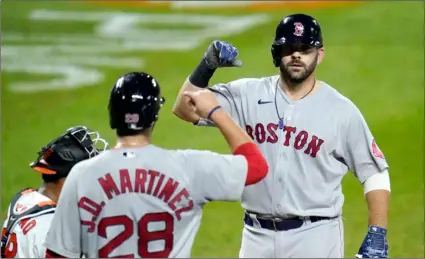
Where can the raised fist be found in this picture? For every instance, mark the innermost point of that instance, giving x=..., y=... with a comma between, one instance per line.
x=203, y=100
x=222, y=54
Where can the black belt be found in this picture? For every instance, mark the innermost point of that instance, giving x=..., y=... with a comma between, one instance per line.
x=281, y=224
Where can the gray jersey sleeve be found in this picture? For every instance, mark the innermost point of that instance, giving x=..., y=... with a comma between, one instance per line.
x=362, y=155
x=229, y=96
x=64, y=235
x=216, y=176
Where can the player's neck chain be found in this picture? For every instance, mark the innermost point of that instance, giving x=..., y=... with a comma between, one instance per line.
x=281, y=124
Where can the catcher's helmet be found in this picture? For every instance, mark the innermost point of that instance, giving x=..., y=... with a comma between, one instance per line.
x=296, y=29
x=61, y=154
x=134, y=102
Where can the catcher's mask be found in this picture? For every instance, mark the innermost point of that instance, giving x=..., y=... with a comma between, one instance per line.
x=61, y=154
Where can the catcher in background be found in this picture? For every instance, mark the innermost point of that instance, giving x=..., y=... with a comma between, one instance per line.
x=31, y=210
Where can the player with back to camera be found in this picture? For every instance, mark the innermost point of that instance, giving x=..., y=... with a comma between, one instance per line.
x=311, y=135
x=31, y=211
x=142, y=201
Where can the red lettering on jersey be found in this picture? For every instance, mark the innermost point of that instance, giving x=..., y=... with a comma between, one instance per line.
x=28, y=226
x=93, y=208
x=177, y=199
x=289, y=130
x=23, y=222
x=260, y=133
x=126, y=185
x=158, y=185
x=314, y=146
x=271, y=128
x=249, y=130
x=140, y=181
x=109, y=186
x=152, y=175
x=168, y=190
x=144, y=235
x=125, y=223
x=11, y=248
x=300, y=140
x=164, y=188
x=184, y=209
x=90, y=224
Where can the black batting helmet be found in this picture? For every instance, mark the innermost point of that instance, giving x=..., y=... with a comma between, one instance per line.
x=296, y=29
x=134, y=103
x=75, y=145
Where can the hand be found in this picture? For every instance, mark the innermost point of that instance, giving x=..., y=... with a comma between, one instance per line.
x=375, y=244
x=203, y=100
x=222, y=54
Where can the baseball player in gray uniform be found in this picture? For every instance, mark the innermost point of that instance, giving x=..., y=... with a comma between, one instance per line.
x=311, y=135
x=139, y=200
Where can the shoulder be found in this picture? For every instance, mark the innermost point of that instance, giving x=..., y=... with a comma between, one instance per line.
x=178, y=157
x=208, y=158
x=26, y=201
x=186, y=153
x=85, y=165
x=347, y=112
x=31, y=214
x=243, y=84
x=339, y=101
x=204, y=158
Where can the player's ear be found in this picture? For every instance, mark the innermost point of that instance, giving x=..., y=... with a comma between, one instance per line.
x=321, y=55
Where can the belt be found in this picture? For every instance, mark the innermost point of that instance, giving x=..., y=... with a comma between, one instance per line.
x=281, y=224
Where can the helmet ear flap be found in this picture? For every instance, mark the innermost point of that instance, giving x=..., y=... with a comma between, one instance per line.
x=112, y=119
x=275, y=55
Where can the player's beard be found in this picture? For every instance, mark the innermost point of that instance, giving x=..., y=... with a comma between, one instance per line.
x=297, y=78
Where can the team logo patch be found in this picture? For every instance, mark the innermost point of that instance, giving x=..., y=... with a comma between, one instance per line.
x=21, y=208
x=299, y=29
x=376, y=151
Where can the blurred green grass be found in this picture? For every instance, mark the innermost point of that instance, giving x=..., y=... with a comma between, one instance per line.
x=374, y=55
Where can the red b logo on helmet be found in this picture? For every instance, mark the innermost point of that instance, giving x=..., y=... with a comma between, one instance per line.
x=299, y=29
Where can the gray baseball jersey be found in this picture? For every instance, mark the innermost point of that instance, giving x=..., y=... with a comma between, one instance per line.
x=323, y=136
x=141, y=202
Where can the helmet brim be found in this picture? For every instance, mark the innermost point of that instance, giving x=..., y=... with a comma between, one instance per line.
x=42, y=167
x=291, y=41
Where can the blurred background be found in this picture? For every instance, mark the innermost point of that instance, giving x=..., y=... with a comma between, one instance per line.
x=60, y=59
